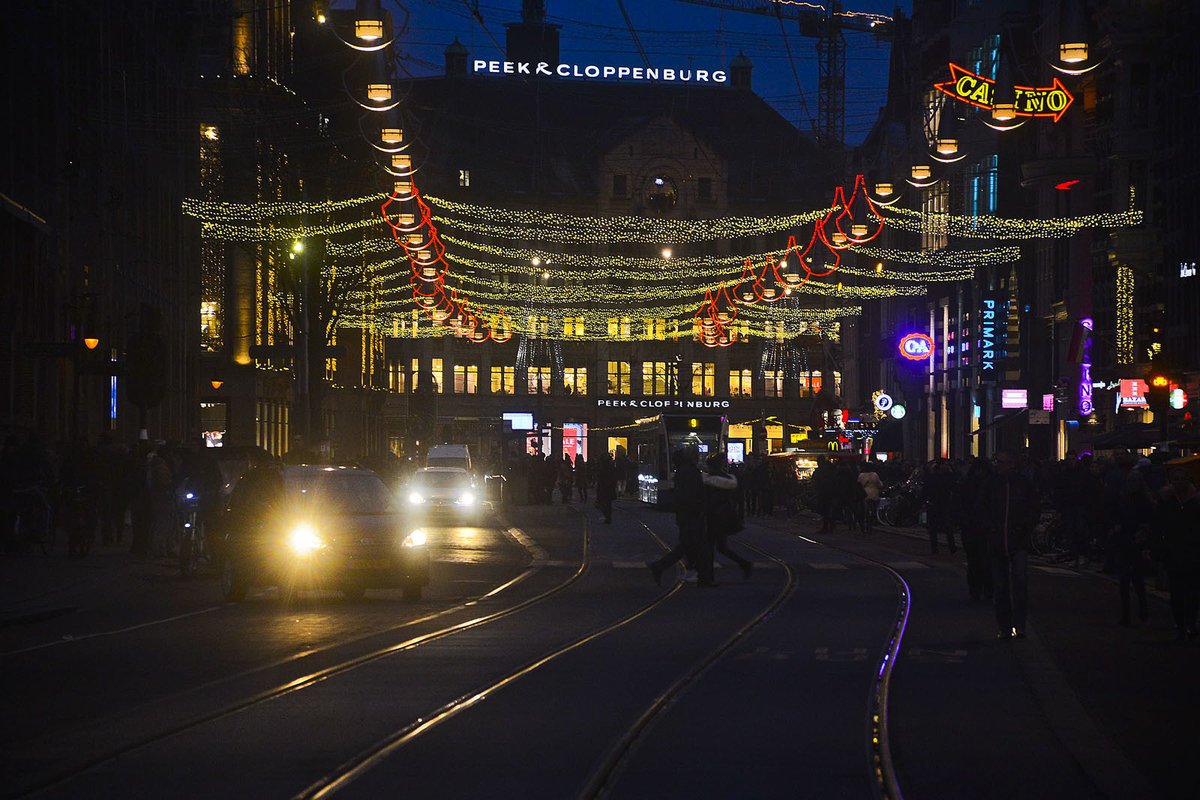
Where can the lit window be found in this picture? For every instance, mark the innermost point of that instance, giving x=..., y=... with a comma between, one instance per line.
x=619, y=377
x=740, y=382
x=575, y=380
x=538, y=380
x=466, y=379
x=656, y=329
x=464, y=177
x=772, y=383
x=654, y=378
x=573, y=326
x=504, y=380
x=704, y=379
x=620, y=328
x=438, y=375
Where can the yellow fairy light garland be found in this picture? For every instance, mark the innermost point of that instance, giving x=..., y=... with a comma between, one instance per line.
x=987, y=227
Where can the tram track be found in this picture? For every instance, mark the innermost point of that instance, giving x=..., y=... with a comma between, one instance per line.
x=337, y=669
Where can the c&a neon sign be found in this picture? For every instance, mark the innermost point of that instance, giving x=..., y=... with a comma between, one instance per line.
x=1046, y=101
x=916, y=347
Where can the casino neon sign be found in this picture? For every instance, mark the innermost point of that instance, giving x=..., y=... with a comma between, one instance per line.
x=916, y=347
x=1044, y=101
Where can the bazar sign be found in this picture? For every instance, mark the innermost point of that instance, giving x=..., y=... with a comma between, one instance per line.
x=1044, y=101
x=599, y=71
x=661, y=403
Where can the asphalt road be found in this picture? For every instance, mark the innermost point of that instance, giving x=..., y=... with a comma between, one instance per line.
x=543, y=662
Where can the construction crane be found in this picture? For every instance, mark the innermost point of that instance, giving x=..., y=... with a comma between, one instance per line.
x=827, y=25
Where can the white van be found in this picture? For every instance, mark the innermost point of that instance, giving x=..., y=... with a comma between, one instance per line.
x=449, y=455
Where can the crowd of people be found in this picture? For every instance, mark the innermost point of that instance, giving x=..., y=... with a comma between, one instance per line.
x=1133, y=517
x=99, y=490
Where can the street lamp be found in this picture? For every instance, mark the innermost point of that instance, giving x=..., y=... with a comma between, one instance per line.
x=216, y=382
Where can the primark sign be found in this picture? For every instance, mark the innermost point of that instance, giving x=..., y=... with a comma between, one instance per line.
x=665, y=404
x=602, y=71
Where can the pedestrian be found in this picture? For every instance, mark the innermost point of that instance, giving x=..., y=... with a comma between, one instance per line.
x=1179, y=533
x=720, y=506
x=1009, y=509
x=606, y=486
x=848, y=496
x=823, y=485
x=1135, y=513
x=690, y=518
x=869, y=480
x=938, y=496
x=581, y=477
x=967, y=498
x=566, y=478
x=621, y=466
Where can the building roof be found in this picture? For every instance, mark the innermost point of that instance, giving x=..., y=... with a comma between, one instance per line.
x=546, y=136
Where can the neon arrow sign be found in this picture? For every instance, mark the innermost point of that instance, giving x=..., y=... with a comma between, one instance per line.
x=1046, y=101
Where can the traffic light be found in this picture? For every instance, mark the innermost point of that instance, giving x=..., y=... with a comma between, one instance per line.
x=1158, y=394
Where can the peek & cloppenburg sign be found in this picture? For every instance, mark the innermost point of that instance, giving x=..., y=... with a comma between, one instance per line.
x=603, y=71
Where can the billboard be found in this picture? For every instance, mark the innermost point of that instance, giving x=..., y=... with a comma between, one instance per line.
x=1014, y=398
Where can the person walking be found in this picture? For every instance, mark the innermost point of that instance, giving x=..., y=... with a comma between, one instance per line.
x=871, y=484
x=690, y=518
x=938, y=496
x=566, y=478
x=1008, y=509
x=1135, y=512
x=606, y=486
x=1179, y=531
x=720, y=506
x=581, y=477
x=823, y=480
x=967, y=496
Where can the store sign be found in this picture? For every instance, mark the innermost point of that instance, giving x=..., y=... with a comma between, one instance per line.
x=1133, y=394
x=991, y=336
x=1014, y=398
x=603, y=71
x=662, y=403
x=897, y=411
x=916, y=347
x=1179, y=398
x=883, y=401
x=1043, y=101
x=1187, y=269
x=1048, y=402
x=1086, y=407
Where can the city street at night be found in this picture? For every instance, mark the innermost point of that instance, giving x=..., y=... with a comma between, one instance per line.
x=543, y=661
x=572, y=400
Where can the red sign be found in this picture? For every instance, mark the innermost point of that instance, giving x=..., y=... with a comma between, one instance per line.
x=1133, y=394
x=1045, y=101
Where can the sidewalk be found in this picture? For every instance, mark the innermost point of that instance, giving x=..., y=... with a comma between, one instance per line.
x=36, y=587
x=1119, y=697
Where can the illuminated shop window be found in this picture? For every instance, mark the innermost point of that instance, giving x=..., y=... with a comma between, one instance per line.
x=619, y=381
x=704, y=379
x=772, y=383
x=575, y=380
x=504, y=380
x=740, y=382
x=654, y=378
x=466, y=379
x=537, y=380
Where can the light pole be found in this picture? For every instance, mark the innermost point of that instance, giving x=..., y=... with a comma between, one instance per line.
x=304, y=421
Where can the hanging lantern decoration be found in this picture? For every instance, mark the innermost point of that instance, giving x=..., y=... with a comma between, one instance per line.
x=402, y=162
x=369, y=30
x=379, y=92
x=391, y=136
x=947, y=147
x=921, y=172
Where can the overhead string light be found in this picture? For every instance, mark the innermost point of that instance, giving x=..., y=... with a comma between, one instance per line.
x=987, y=227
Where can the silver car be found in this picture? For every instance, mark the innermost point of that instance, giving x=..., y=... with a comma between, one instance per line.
x=445, y=492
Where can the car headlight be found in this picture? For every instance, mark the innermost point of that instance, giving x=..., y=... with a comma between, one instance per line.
x=303, y=540
x=466, y=499
x=415, y=498
x=415, y=539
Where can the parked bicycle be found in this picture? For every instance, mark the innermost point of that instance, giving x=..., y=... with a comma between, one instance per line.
x=194, y=553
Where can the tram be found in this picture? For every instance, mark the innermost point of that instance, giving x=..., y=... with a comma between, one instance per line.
x=655, y=439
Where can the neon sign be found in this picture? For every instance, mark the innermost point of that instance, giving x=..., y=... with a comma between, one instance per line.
x=604, y=71
x=1043, y=101
x=1086, y=406
x=916, y=347
x=991, y=342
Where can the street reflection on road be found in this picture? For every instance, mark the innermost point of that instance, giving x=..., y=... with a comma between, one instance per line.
x=464, y=545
